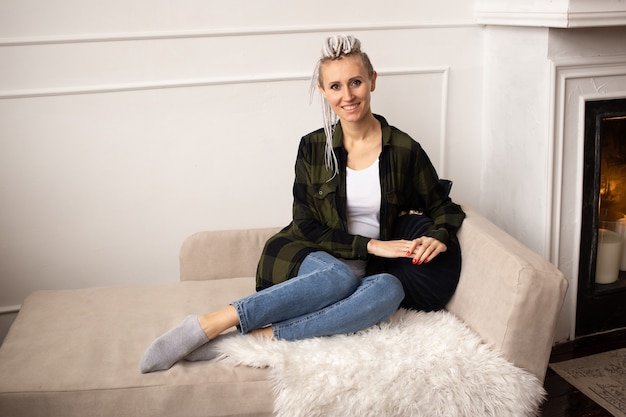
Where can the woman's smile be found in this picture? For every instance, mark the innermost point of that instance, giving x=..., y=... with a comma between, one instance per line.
x=350, y=107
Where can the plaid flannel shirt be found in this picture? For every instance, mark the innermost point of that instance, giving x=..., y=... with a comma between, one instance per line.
x=408, y=182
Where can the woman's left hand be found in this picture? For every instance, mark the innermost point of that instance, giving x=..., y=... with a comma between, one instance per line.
x=424, y=249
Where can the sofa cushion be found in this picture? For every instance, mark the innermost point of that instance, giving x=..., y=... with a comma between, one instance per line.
x=104, y=332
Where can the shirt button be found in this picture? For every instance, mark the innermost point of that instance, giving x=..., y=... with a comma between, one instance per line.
x=320, y=192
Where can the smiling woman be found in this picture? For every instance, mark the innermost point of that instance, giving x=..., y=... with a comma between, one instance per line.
x=326, y=272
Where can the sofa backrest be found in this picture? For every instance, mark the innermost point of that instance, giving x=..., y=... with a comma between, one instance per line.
x=223, y=253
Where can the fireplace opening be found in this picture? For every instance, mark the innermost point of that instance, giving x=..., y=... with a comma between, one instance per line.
x=601, y=301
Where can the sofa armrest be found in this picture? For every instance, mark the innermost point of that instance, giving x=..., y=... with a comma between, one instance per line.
x=223, y=253
x=508, y=294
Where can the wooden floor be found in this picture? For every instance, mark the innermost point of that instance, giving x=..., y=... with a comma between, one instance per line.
x=565, y=400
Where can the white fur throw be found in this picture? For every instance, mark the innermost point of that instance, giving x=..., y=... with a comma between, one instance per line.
x=414, y=364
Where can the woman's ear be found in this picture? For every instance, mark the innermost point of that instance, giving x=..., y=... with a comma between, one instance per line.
x=321, y=90
x=373, y=83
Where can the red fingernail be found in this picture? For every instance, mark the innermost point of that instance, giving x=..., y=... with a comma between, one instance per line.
x=414, y=261
x=408, y=252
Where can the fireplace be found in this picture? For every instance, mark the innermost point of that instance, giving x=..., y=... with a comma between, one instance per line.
x=601, y=303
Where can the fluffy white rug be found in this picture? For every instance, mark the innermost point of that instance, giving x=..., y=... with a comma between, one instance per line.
x=414, y=364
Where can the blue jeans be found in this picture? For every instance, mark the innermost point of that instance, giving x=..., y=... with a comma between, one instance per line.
x=325, y=298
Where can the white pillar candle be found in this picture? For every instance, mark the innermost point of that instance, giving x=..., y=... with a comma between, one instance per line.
x=621, y=229
x=609, y=254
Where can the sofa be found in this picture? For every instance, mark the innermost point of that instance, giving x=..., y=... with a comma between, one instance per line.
x=76, y=352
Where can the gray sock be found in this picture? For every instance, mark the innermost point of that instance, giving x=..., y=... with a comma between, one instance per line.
x=210, y=351
x=173, y=345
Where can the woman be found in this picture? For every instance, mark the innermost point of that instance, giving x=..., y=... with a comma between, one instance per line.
x=328, y=272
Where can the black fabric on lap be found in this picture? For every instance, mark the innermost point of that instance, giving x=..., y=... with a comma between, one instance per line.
x=428, y=286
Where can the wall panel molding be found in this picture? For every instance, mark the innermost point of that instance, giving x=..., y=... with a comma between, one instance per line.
x=277, y=78
x=443, y=72
x=190, y=83
x=230, y=32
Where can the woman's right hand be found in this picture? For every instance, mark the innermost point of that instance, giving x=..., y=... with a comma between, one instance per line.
x=390, y=248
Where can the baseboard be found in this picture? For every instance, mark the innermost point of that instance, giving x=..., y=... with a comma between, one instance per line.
x=589, y=345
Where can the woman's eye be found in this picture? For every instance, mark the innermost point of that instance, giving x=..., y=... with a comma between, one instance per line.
x=334, y=86
x=356, y=83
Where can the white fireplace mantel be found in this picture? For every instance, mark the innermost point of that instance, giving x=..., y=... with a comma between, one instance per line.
x=551, y=13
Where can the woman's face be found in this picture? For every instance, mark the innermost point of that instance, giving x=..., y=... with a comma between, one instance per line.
x=347, y=87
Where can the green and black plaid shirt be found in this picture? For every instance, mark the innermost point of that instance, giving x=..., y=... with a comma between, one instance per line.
x=408, y=182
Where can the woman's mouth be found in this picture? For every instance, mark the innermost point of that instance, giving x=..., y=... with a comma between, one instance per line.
x=350, y=107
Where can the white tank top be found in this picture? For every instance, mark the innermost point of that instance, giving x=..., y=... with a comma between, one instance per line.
x=363, y=207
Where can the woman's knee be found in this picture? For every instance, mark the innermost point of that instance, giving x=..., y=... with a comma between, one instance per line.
x=340, y=275
x=344, y=277
x=393, y=289
x=388, y=295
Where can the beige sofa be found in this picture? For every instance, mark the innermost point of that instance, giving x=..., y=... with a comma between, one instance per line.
x=76, y=352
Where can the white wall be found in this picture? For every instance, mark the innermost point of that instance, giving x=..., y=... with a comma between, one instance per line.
x=515, y=183
x=127, y=126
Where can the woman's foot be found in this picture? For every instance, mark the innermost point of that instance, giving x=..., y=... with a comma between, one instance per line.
x=193, y=332
x=174, y=345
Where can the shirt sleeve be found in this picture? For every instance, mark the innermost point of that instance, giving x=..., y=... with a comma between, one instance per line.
x=446, y=215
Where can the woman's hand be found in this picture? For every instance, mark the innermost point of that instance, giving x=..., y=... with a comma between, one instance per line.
x=423, y=249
